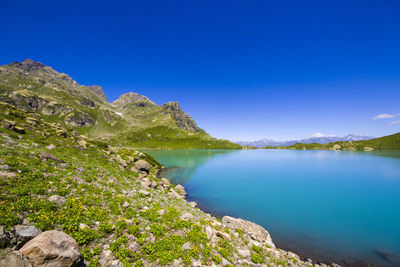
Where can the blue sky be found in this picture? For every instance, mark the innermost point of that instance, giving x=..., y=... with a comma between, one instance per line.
x=244, y=70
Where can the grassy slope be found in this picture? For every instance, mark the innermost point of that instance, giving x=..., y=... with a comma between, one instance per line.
x=105, y=197
x=382, y=143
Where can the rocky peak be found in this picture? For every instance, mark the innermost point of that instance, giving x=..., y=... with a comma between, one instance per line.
x=131, y=97
x=97, y=90
x=28, y=65
x=183, y=120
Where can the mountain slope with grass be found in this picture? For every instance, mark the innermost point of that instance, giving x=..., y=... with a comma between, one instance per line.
x=57, y=98
x=390, y=142
x=69, y=200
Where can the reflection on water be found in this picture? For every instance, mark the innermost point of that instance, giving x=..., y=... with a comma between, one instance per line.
x=182, y=164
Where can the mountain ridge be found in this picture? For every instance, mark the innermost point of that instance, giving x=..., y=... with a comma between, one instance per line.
x=57, y=97
x=318, y=140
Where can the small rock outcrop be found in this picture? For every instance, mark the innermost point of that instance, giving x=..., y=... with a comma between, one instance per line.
x=142, y=165
x=251, y=229
x=52, y=248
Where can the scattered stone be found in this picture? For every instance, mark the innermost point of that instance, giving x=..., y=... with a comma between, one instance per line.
x=15, y=259
x=50, y=147
x=52, y=248
x=181, y=190
x=4, y=167
x=125, y=205
x=223, y=235
x=174, y=194
x=5, y=175
x=117, y=158
x=186, y=246
x=245, y=253
x=142, y=165
x=48, y=156
x=255, y=231
x=187, y=216
x=193, y=204
x=367, y=148
x=144, y=193
x=165, y=181
x=153, y=185
x=56, y=199
x=161, y=212
x=82, y=144
x=83, y=226
x=24, y=233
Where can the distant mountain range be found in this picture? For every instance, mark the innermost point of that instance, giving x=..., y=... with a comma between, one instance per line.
x=319, y=140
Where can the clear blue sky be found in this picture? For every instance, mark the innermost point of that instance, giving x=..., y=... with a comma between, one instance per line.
x=242, y=69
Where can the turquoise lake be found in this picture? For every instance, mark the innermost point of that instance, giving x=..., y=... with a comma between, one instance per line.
x=325, y=205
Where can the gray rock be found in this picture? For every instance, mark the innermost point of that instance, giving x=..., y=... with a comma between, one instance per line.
x=4, y=238
x=6, y=175
x=50, y=147
x=186, y=246
x=187, y=216
x=82, y=144
x=181, y=190
x=144, y=193
x=117, y=158
x=193, y=204
x=52, y=248
x=15, y=259
x=24, y=233
x=48, y=156
x=4, y=167
x=245, y=253
x=142, y=165
x=251, y=229
x=56, y=199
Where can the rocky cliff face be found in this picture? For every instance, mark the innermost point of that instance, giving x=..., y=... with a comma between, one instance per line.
x=183, y=120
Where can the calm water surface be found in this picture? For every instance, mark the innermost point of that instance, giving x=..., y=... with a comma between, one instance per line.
x=327, y=205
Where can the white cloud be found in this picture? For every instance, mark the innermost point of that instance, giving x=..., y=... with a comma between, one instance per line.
x=385, y=116
x=395, y=122
x=322, y=135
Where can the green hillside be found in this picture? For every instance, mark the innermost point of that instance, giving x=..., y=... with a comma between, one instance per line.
x=390, y=142
x=56, y=97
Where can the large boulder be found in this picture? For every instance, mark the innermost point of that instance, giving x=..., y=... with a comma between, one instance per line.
x=142, y=165
x=250, y=229
x=52, y=249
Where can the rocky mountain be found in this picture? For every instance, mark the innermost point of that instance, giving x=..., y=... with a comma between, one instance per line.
x=318, y=140
x=56, y=97
x=390, y=142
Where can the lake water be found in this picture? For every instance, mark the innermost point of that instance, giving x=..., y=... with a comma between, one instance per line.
x=325, y=205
